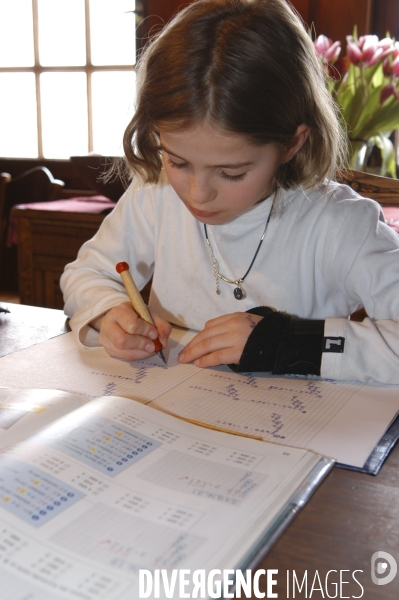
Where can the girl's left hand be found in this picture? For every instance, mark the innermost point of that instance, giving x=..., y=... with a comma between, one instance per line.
x=221, y=342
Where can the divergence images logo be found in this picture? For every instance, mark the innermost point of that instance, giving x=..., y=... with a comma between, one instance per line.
x=384, y=564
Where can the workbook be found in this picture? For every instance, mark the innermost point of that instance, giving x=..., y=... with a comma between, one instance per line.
x=115, y=489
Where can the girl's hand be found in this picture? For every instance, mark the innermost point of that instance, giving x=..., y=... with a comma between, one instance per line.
x=221, y=342
x=124, y=335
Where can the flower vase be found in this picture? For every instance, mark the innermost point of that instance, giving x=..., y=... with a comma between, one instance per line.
x=359, y=154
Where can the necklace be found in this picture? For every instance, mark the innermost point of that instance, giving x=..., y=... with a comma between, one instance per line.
x=239, y=292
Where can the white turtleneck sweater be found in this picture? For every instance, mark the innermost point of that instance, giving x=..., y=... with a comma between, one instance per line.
x=326, y=253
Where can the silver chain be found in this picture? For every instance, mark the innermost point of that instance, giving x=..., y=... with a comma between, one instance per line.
x=215, y=263
x=216, y=269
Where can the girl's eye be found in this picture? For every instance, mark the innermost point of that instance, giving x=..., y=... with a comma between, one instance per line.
x=232, y=177
x=177, y=165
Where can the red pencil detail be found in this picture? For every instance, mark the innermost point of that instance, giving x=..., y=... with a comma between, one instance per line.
x=122, y=266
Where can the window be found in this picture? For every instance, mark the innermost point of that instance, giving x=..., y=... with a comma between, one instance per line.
x=67, y=76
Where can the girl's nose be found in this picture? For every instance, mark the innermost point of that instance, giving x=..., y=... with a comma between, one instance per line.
x=201, y=191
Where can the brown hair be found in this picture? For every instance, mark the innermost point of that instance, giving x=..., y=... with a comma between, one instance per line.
x=249, y=67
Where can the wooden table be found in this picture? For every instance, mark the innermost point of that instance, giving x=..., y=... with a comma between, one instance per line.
x=24, y=326
x=349, y=518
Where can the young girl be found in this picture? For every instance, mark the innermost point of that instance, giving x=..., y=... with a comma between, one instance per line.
x=234, y=213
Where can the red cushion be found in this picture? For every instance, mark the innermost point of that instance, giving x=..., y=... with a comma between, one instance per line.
x=391, y=214
x=82, y=204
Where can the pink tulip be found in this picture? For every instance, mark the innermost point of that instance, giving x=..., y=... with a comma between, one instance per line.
x=387, y=91
x=333, y=52
x=327, y=49
x=390, y=66
x=322, y=43
x=367, y=50
x=354, y=53
x=387, y=44
x=395, y=66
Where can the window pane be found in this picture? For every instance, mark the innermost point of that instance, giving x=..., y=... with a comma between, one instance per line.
x=113, y=101
x=18, y=124
x=64, y=114
x=62, y=32
x=16, y=33
x=112, y=31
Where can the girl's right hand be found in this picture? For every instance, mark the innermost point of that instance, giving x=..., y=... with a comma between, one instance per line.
x=124, y=335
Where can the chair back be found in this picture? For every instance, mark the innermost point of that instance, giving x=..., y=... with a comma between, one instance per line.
x=35, y=185
x=384, y=190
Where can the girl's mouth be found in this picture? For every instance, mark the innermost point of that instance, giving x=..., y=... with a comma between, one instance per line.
x=204, y=214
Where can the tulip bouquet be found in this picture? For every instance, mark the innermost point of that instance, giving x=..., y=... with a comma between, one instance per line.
x=364, y=83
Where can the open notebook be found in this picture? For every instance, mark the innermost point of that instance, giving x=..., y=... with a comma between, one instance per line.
x=114, y=487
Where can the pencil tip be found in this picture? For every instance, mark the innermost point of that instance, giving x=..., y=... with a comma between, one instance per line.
x=161, y=355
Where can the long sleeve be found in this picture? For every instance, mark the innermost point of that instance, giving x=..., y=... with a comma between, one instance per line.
x=371, y=272
x=364, y=259
x=333, y=348
x=371, y=350
x=91, y=284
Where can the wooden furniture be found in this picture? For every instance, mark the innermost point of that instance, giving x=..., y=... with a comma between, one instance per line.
x=349, y=518
x=4, y=179
x=24, y=326
x=35, y=185
x=47, y=241
x=382, y=189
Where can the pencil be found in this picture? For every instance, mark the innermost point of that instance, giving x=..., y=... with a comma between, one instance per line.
x=137, y=301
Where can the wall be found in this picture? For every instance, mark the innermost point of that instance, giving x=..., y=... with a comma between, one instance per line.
x=386, y=18
x=336, y=18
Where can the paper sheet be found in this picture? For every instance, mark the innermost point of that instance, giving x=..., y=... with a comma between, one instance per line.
x=60, y=364
x=343, y=420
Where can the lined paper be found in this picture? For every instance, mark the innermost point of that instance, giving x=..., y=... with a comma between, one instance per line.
x=344, y=420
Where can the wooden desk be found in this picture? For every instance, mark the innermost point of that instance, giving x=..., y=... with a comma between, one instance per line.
x=24, y=326
x=47, y=241
x=349, y=517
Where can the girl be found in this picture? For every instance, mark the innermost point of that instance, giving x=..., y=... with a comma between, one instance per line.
x=232, y=210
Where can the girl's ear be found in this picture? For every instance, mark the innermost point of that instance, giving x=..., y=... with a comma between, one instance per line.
x=299, y=138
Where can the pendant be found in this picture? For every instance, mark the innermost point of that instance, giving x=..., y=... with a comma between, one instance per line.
x=238, y=293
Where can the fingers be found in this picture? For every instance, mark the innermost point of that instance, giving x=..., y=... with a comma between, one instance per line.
x=164, y=329
x=211, y=352
x=221, y=341
x=124, y=335
x=124, y=316
x=211, y=347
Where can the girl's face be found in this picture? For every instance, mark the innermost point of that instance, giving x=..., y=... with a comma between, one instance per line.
x=219, y=175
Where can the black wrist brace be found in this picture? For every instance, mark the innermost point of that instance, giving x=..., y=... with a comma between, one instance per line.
x=283, y=345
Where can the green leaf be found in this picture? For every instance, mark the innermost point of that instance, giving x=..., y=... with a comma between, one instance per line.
x=386, y=119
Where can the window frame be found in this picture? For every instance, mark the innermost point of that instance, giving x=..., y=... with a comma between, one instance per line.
x=88, y=68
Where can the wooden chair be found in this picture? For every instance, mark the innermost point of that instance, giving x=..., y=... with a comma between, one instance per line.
x=35, y=185
x=382, y=189
x=5, y=178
